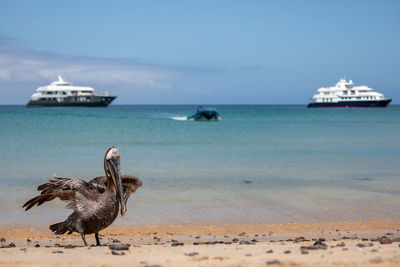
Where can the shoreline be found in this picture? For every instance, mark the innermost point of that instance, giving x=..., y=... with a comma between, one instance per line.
x=214, y=229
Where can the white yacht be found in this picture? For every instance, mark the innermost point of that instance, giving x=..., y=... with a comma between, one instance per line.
x=346, y=95
x=62, y=94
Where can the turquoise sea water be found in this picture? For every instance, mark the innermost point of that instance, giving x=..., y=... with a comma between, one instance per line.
x=257, y=164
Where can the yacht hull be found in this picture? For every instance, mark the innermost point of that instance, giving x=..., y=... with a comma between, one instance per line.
x=352, y=104
x=73, y=101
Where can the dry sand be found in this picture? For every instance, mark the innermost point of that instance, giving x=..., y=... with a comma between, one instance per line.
x=347, y=244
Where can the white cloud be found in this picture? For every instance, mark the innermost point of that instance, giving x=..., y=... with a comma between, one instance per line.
x=27, y=66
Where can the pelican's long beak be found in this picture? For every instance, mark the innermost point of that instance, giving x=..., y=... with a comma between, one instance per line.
x=113, y=166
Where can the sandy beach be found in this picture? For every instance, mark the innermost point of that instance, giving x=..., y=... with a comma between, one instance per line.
x=361, y=243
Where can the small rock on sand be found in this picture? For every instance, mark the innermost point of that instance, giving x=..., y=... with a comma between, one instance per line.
x=385, y=241
x=2, y=240
x=58, y=252
x=273, y=262
x=269, y=251
x=177, y=244
x=192, y=254
x=119, y=246
x=115, y=252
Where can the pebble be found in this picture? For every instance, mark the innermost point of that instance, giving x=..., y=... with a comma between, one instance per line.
x=2, y=240
x=174, y=241
x=397, y=239
x=228, y=243
x=28, y=241
x=177, y=244
x=385, y=241
x=269, y=251
x=191, y=254
x=248, y=255
x=235, y=240
x=22, y=249
x=119, y=246
x=58, y=252
x=303, y=251
x=364, y=239
x=37, y=246
x=198, y=243
x=299, y=239
x=69, y=246
x=273, y=262
x=115, y=252
x=254, y=240
x=116, y=241
x=287, y=252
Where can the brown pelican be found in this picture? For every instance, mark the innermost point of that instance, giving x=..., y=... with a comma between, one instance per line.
x=95, y=204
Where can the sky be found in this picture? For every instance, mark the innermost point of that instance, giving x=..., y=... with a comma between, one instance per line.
x=199, y=52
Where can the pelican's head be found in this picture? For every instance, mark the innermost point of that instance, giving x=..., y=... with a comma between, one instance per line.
x=112, y=169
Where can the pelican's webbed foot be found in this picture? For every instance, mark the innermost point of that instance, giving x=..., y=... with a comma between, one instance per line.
x=97, y=239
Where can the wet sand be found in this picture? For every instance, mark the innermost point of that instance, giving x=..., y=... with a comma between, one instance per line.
x=362, y=243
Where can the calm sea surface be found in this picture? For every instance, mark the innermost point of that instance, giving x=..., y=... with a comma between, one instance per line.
x=257, y=164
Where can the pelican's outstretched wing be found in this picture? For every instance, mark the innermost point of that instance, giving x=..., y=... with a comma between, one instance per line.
x=129, y=184
x=63, y=188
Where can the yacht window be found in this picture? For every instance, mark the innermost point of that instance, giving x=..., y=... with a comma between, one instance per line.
x=353, y=92
x=64, y=93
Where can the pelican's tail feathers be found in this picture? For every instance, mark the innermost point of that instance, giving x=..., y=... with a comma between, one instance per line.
x=59, y=228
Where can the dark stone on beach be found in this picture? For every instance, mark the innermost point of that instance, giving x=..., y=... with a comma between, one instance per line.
x=174, y=241
x=58, y=252
x=235, y=240
x=299, y=239
x=116, y=252
x=269, y=251
x=198, y=243
x=116, y=241
x=315, y=246
x=156, y=238
x=28, y=241
x=119, y=246
x=287, y=252
x=273, y=262
x=397, y=239
x=177, y=244
x=248, y=255
x=228, y=243
x=242, y=234
x=197, y=237
x=289, y=240
x=364, y=239
x=254, y=240
x=374, y=250
x=2, y=240
x=361, y=245
x=226, y=236
x=389, y=233
x=385, y=241
x=376, y=239
x=191, y=254
x=322, y=239
x=345, y=249
x=70, y=246
x=47, y=246
x=349, y=237
x=37, y=246
x=304, y=251
x=247, y=181
x=22, y=249
x=57, y=245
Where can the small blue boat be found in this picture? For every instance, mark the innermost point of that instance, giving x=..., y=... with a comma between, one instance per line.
x=204, y=115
